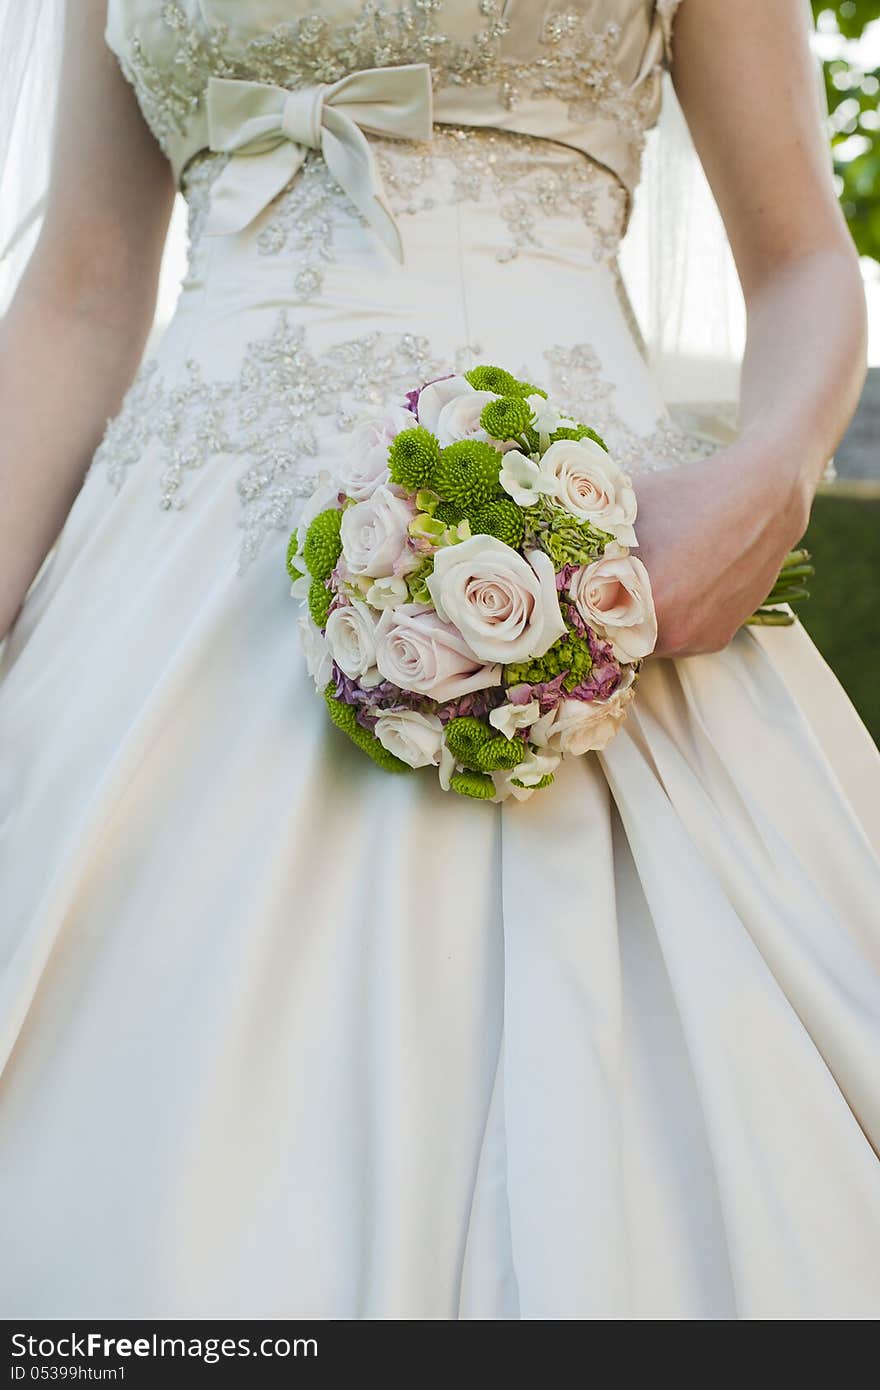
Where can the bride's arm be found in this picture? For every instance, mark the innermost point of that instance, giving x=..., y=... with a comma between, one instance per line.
x=74, y=333
x=747, y=84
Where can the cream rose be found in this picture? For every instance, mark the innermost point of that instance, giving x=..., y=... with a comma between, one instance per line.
x=350, y=635
x=506, y=607
x=414, y=738
x=591, y=486
x=613, y=596
x=374, y=533
x=417, y=651
x=366, y=463
x=583, y=726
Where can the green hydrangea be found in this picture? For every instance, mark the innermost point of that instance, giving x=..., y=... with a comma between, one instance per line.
x=292, y=552
x=323, y=544
x=563, y=537
x=505, y=418
x=570, y=653
x=448, y=513
x=320, y=599
x=477, y=746
x=344, y=718
x=577, y=432
x=416, y=581
x=501, y=517
x=467, y=473
x=412, y=458
x=475, y=784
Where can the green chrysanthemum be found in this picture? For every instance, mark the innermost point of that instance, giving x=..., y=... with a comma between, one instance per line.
x=488, y=378
x=527, y=389
x=323, y=544
x=502, y=518
x=467, y=473
x=479, y=747
x=412, y=458
x=571, y=654
x=292, y=552
x=320, y=599
x=475, y=784
x=344, y=718
x=577, y=432
x=505, y=418
x=563, y=537
x=534, y=786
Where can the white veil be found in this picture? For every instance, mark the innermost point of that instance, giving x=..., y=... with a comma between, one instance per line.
x=31, y=38
x=681, y=280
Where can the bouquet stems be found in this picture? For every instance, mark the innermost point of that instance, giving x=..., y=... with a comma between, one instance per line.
x=789, y=588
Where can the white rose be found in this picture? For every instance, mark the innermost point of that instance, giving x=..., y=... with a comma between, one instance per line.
x=590, y=485
x=417, y=651
x=414, y=738
x=523, y=479
x=434, y=397
x=509, y=719
x=581, y=726
x=366, y=463
x=350, y=635
x=387, y=592
x=374, y=533
x=460, y=417
x=506, y=607
x=613, y=595
x=319, y=662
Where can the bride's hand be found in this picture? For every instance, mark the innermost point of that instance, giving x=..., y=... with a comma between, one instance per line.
x=713, y=536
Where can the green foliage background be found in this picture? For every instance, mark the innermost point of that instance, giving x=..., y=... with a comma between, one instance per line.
x=854, y=109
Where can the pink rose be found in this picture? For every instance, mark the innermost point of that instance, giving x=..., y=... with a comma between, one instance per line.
x=375, y=532
x=416, y=651
x=366, y=463
x=505, y=605
x=613, y=596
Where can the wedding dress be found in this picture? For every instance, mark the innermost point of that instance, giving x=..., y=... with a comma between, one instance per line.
x=286, y=1036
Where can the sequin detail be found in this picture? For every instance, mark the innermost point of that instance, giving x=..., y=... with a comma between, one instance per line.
x=287, y=401
x=570, y=62
x=526, y=180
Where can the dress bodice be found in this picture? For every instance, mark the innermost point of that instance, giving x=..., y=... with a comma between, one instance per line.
x=581, y=73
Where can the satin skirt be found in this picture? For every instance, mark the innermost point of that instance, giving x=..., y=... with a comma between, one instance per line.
x=285, y=1036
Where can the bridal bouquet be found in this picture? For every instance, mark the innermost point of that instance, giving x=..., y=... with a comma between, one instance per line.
x=472, y=603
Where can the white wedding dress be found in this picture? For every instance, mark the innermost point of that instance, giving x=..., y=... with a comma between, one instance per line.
x=284, y=1036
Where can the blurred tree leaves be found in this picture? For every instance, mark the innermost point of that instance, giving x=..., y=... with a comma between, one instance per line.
x=854, y=110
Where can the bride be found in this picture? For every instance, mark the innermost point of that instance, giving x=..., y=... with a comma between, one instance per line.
x=282, y=1036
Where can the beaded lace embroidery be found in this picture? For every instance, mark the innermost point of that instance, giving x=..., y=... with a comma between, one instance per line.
x=572, y=64
x=526, y=180
x=287, y=400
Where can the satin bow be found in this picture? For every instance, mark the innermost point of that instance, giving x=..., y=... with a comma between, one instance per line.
x=267, y=131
